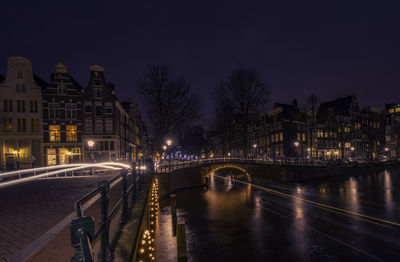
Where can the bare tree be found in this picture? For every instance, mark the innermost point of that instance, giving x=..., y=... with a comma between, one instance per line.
x=312, y=102
x=246, y=94
x=171, y=105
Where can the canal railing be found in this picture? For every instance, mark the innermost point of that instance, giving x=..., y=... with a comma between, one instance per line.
x=26, y=175
x=84, y=237
x=168, y=165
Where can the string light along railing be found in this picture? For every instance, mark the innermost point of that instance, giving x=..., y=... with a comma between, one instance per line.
x=146, y=250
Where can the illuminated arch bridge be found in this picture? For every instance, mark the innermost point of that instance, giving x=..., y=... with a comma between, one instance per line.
x=217, y=167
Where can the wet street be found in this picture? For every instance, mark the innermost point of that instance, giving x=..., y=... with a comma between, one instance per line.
x=336, y=219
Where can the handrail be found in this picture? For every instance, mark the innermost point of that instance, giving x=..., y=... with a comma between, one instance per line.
x=106, y=216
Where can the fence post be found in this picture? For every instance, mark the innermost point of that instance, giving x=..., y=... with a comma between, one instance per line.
x=181, y=242
x=173, y=213
x=133, y=200
x=104, y=252
x=124, y=215
x=82, y=230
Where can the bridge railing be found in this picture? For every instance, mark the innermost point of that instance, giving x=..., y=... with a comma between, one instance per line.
x=168, y=165
x=83, y=234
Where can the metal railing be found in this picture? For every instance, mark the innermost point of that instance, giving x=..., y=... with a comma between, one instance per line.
x=83, y=234
x=164, y=166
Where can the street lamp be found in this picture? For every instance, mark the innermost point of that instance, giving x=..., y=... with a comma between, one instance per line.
x=296, y=144
x=90, y=144
x=169, y=142
x=164, y=147
x=254, y=151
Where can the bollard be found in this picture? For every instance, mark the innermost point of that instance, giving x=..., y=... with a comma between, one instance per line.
x=133, y=199
x=82, y=231
x=104, y=252
x=124, y=215
x=181, y=242
x=173, y=213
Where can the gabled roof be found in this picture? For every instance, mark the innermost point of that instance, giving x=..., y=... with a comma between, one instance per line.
x=40, y=82
x=340, y=106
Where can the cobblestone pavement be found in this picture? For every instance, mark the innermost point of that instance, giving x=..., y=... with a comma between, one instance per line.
x=29, y=210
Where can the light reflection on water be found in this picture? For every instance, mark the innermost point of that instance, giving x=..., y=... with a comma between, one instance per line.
x=234, y=222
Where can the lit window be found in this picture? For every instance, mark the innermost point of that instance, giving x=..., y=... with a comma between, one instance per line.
x=281, y=136
x=397, y=109
x=71, y=133
x=391, y=110
x=54, y=133
x=7, y=124
x=51, y=156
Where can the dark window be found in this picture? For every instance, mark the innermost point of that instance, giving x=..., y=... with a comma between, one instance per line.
x=20, y=75
x=10, y=106
x=23, y=105
x=106, y=145
x=97, y=82
x=98, y=92
x=99, y=110
x=18, y=106
x=112, y=145
x=5, y=108
x=88, y=108
x=31, y=106
x=54, y=110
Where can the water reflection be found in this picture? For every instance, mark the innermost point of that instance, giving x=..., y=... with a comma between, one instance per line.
x=387, y=187
x=237, y=222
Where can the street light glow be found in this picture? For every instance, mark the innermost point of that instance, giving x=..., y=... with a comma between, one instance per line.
x=164, y=147
x=254, y=146
x=296, y=143
x=90, y=143
x=169, y=142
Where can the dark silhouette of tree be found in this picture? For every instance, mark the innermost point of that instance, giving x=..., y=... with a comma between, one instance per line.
x=312, y=102
x=245, y=95
x=171, y=106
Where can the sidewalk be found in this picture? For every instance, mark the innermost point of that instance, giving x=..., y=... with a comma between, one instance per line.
x=29, y=210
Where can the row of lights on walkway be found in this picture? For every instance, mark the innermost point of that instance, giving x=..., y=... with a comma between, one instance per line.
x=146, y=251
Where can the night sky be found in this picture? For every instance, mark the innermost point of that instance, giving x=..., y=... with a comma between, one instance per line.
x=331, y=48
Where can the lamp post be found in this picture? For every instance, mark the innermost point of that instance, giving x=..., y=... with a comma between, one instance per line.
x=69, y=153
x=296, y=144
x=169, y=143
x=254, y=150
x=387, y=154
x=90, y=144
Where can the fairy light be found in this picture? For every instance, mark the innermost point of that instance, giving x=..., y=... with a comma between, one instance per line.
x=147, y=250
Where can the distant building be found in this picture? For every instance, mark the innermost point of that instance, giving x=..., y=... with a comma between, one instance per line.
x=392, y=129
x=283, y=132
x=339, y=128
x=21, y=134
x=62, y=118
x=372, y=132
x=101, y=119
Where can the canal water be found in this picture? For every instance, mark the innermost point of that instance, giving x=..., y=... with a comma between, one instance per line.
x=353, y=218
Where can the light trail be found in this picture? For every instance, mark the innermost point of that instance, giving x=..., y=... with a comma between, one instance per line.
x=325, y=207
x=70, y=168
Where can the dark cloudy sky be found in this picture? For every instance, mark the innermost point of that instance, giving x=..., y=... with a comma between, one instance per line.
x=331, y=48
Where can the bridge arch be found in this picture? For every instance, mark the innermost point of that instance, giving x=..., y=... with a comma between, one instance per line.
x=223, y=166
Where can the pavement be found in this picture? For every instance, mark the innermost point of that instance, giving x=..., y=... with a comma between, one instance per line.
x=29, y=210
